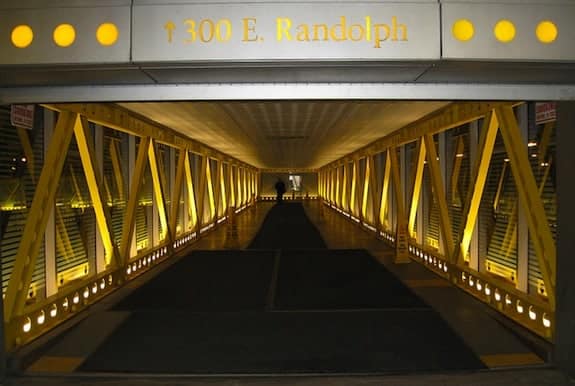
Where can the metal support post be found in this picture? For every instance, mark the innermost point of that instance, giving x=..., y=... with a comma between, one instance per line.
x=476, y=261
x=522, y=227
x=50, y=231
x=98, y=264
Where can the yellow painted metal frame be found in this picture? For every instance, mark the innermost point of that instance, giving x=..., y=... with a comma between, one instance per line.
x=354, y=187
x=337, y=189
x=416, y=189
x=231, y=172
x=385, y=190
x=365, y=181
x=375, y=192
x=176, y=192
x=439, y=193
x=192, y=205
x=130, y=216
x=479, y=177
x=401, y=243
x=223, y=191
x=210, y=187
x=32, y=235
x=94, y=181
x=529, y=198
x=158, y=190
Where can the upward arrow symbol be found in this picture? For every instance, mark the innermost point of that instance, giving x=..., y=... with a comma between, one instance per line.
x=170, y=27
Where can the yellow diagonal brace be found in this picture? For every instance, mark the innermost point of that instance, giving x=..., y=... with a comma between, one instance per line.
x=499, y=190
x=353, y=205
x=401, y=242
x=209, y=184
x=223, y=191
x=32, y=235
x=177, y=191
x=135, y=186
x=365, y=190
x=94, y=181
x=192, y=206
x=344, y=188
x=385, y=191
x=232, y=185
x=416, y=189
x=545, y=140
x=158, y=188
x=477, y=184
x=374, y=190
x=532, y=204
x=202, y=190
x=116, y=165
x=77, y=190
x=217, y=189
x=439, y=193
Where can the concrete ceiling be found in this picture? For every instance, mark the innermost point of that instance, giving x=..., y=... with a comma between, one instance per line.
x=285, y=134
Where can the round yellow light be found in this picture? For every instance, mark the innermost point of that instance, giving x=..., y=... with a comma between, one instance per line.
x=64, y=35
x=504, y=31
x=22, y=36
x=107, y=34
x=546, y=32
x=463, y=30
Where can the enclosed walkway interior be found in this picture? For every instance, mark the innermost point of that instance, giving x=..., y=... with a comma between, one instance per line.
x=298, y=299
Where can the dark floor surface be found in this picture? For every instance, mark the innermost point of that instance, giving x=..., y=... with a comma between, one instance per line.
x=331, y=311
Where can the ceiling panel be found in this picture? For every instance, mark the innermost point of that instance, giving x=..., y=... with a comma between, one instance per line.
x=285, y=134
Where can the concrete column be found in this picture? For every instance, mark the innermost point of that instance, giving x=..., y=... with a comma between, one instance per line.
x=50, y=274
x=522, y=226
x=98, y=264
x=565, y=291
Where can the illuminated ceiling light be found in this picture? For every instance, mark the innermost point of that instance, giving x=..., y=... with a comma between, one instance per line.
x=64, y=35
x=95, y=288
x=504, y=31
x=463, y=30
x=459, y=155
x=103, y=284
x=65, y=304
x=508, y=299
x=22, y=36
x=53, y=310
x=519, y=307
x=546, y=32
x=27, y=326
x=478, y=286
x=487, y=290
x=86, y=293
x=471, y=281
x=76, y=298
x=506, y=160
x=532, y=313
x=531, y=144
x=107, y=34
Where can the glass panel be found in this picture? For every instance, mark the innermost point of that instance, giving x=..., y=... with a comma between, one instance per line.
x=18, y=178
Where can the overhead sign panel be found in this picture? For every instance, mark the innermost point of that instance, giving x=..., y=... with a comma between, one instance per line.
x=336, y=31
x=65, y=35
x=522, y=32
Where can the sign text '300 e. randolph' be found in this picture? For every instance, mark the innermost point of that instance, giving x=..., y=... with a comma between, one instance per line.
x=208, y=30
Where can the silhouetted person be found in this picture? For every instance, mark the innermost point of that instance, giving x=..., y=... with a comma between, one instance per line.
x=280, y=190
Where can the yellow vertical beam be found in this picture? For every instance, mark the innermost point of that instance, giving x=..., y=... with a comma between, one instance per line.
x=37, y=219
x=365, y=190
x=232, y=186
x=94, y=181
x=344, y=189
x=158, y=189
x=238, y=187
x=135, y=186
x=244, y=185
x=209, y=185
x=116, y=165
x=352, y=198
x=439, y=193
x=401, y=242
x=416, y=189
x=177, y=191
x=374, y=191
x=337, y=188
x=217, y=191
x=192, y=206
x=385, y=190
x=538, y=224
x=202, y=190
x=223, y=191
x=477, y=185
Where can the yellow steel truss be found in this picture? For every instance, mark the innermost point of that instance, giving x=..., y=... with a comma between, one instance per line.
x=416, y=189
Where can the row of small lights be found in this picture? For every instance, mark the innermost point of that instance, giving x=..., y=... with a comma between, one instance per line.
x=387, y=236
x=507, y=300
x=64, y=305
x=504, y=31
x=428, y=258
x=64, y=35
x=146, y=260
